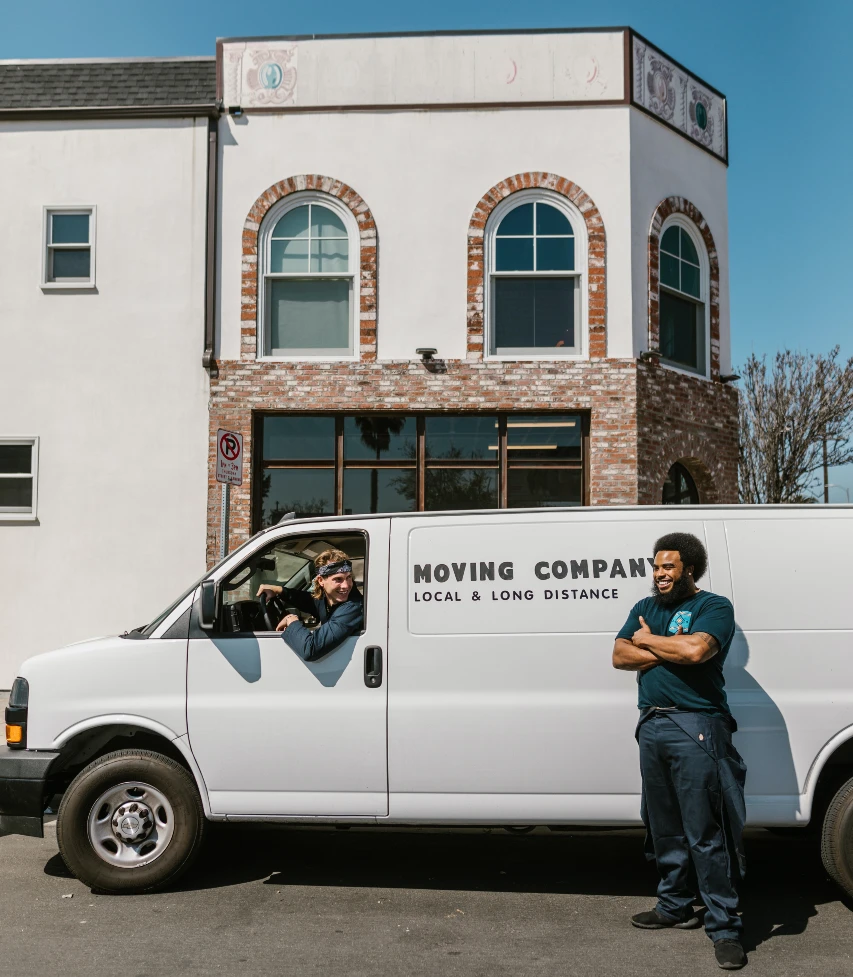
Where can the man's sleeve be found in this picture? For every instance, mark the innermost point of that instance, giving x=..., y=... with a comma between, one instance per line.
x=298, y=598
x=632, y=624
x=311, y=645
x=716, y=618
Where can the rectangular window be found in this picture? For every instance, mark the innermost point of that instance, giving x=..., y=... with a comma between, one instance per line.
x=682, y=332
x=69, y=258
x=18, y=477
x=534, y=314
x=346, y=464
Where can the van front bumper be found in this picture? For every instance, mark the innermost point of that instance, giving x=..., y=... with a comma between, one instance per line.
x=23, y=780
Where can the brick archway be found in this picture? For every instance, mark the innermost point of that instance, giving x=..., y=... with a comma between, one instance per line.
x=688, y=449
x=368, y=245
x=678, y=205
x=596, y=250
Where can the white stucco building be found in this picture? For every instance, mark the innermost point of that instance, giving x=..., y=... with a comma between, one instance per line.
x=267, y=241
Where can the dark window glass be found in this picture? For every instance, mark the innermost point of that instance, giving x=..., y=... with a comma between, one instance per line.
x=461, y=488
x=680, y=340
x=379, y=490
x=669, y=241
x=71, y=263
x=16, y=493
x=555, y=254
x=669, y=271
x=679, y=487
x=514, y=254
x=465, y=437
x=309, y=314
x=688, y=248
x=543, y=437
x=16, y=459
x=383, y=438
x=305, y=491
x=534, y=313
x=292, y=438
x=69, y=229
x=517, y=221
x=690, y=279
x=549, y=220
x=529, y=488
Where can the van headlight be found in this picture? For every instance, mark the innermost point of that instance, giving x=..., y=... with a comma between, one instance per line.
x=16, y=714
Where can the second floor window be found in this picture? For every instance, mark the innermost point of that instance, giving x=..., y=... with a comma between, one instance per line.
x=682, y=301
x=69, y=246
x=308, y=282
x=534, y=281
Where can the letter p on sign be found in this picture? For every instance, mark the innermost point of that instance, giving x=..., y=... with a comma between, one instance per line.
x=229, y=457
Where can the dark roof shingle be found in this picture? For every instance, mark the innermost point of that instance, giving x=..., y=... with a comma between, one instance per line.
x=102, y=84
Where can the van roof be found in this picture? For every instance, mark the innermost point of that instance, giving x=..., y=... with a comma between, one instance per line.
x=505, y=513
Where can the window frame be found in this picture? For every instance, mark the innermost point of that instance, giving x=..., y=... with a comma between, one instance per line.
x=679, y=220
x=18, y=514
x=502, y=464
x=690, y=482
x=580, y=274
x=78, y=284
x=264, y=277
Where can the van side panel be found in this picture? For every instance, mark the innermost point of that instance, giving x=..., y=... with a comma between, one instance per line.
x=790, y=669
x=503, y=702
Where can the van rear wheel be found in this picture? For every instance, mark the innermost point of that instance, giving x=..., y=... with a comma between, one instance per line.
x=132, y=821
x=837, y=838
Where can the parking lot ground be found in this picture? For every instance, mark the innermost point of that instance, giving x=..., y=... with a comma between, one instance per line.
x=290, y=900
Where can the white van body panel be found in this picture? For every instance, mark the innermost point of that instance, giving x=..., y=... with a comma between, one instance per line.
x=501, y=709
x=82, y=685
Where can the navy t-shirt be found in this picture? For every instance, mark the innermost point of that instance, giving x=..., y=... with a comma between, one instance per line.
x=698, y=688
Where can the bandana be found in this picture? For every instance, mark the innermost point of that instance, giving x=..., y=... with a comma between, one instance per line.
x=342, y=566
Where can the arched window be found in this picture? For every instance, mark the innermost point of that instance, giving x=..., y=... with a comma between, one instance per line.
x=535, y=254
x=308, y=293
x=683, y=297
x=679, y=487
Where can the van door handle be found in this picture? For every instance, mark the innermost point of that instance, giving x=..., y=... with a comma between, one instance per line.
x=373, y=667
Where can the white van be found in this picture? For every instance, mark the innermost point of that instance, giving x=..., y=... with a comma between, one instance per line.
x=480, y=691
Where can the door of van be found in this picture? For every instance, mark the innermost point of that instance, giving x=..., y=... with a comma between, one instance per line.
x=272, y=733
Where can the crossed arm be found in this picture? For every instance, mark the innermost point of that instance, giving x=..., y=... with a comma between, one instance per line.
x=645, y=650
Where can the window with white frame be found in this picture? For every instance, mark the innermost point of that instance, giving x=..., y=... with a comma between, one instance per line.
x=18, y=477
x=535, y=256
x=309, y=253
x=683, y=303
x=69, y=257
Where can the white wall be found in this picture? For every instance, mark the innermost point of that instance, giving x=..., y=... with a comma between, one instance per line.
x=664, y=164
x=111, y=381
x=422, y=174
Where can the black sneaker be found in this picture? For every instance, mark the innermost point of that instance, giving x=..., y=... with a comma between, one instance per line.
x=652, y=920
x=729, y=954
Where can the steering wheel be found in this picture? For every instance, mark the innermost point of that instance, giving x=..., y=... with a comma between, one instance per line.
x=265, y=608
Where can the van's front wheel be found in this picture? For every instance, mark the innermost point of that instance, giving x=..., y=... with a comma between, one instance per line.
x=837, y=838
x=132, y=821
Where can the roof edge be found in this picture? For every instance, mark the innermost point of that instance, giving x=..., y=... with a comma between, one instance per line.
x=25, y=61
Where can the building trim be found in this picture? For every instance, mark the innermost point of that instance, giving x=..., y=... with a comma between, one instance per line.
x=368, y=251
x=665, y=209
x=76, y=113
x=596, y=275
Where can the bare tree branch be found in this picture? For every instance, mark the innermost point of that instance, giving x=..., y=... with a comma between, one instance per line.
x=785, y=415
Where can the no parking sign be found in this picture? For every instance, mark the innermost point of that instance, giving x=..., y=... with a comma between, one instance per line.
x=229, y=457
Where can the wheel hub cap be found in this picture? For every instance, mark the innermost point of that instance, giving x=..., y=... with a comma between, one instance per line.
x=132, y=822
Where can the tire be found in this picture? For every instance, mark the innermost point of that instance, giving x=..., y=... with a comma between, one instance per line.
x=130, y=822
x=836, y=847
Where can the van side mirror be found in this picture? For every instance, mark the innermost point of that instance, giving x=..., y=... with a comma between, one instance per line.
x=207, y=605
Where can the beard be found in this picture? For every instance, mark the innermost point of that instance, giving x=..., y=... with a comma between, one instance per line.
x=680, y=590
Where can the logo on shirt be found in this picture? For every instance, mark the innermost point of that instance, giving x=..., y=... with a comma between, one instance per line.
x=680, y=620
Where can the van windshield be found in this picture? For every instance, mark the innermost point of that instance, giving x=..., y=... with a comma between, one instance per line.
x=146, y=630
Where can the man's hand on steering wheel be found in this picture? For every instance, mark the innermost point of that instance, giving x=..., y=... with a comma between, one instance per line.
x=267, y=596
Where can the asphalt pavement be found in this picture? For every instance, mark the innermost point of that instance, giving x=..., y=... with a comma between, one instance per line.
x=293, y=900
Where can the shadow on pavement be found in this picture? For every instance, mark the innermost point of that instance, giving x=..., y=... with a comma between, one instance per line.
x=784, y=886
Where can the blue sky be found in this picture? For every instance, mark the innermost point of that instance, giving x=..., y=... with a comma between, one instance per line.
x=782, y=65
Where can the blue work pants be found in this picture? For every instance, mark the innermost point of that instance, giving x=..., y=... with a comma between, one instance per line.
x=685, y=814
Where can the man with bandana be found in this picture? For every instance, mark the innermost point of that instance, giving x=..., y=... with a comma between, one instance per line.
x=693, y=778
x=333, y=600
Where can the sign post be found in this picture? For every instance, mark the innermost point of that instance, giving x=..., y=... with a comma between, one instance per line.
x=229, y=471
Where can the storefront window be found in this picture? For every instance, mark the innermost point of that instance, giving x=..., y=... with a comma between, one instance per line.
x=324, y=464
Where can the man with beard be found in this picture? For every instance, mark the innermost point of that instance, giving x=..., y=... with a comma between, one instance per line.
x=693, y=778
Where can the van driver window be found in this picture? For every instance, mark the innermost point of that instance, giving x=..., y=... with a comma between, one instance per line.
x=307, y=589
